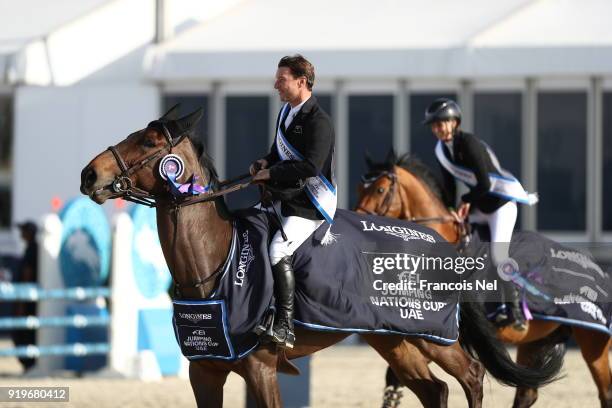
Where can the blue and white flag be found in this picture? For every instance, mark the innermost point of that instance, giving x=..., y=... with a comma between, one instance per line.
x=504, y=184
x=320, y=191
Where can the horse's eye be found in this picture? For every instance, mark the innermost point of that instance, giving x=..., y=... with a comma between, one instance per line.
x=148, y=143
x=381, y=190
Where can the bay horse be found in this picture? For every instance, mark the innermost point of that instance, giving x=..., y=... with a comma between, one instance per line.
x=405, y=188
x=195, y=234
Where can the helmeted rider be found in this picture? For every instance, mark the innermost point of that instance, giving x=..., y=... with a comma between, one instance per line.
x=492, y=197
x=302, y=151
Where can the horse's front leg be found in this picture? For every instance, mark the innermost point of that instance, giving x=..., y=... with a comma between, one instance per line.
x=207, y=382
x=259, y=371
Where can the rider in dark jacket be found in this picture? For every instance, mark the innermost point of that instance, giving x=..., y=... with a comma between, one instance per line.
x=458, y=151
x=302, y=152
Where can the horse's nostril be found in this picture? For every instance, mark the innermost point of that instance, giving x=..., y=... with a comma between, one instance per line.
x=89, y=177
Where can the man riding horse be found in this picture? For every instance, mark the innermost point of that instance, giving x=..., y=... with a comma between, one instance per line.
x=302, y=152
x=492, y=197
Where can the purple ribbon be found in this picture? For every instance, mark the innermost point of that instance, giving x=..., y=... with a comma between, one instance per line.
x=526, y=311
x=535, y=276
x=190, y=188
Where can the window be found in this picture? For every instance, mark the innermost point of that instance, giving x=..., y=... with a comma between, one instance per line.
x=6, y=152
x=607, y=161
x=247, y=139
x=562, y=120
x=190, y=103
x=422, y=141
x=497, y=121
x=325, y=102
x=371, y=130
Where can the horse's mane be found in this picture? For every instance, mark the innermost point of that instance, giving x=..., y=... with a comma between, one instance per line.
x=205, y=160
x=420, y=170
x=414, y=166
x=213, y=177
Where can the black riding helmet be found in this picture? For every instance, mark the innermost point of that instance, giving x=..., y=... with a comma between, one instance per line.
x=442, y=109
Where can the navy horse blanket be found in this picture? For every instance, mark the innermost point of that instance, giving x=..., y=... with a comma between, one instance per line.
x=557, y=283
x=372, y=278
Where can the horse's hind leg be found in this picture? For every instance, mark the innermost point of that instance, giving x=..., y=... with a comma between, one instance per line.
x=468, y=371
x=525, y=396
x=207, y=383
x=595, y=347
x=410, y=366
x=528, y=353
x=392, y=395
x=259, y=371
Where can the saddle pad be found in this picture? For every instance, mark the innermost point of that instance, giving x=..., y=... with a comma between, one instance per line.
x=561, y=284
x=343, y=286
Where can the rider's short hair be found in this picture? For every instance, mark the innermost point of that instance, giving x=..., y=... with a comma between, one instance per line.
x=299, y=66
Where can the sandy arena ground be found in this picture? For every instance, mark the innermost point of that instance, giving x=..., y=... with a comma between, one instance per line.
x=342, y=376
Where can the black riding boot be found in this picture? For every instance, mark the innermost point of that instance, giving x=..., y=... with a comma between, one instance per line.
x=513, y=313
x=514, y=305
x=284, y=289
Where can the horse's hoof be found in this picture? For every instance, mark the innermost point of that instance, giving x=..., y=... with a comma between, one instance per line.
x=392, y=397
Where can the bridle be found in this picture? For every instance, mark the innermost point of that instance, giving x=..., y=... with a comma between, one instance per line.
x=125, y=188
x=123, y=185
x=462, y=225
x=388, y=199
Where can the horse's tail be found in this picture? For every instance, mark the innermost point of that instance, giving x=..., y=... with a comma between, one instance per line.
x=478, y=338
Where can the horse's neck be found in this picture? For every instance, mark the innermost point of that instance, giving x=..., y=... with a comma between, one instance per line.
x=422, y=203
x=195, y=241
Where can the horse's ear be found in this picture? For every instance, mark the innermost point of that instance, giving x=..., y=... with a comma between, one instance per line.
x=391, y=157
x=172, y=113
x=189, y=122
x=368, y=159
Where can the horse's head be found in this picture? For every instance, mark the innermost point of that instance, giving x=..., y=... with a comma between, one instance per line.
x=378, y=191
x=130, y=169
x=405, y=188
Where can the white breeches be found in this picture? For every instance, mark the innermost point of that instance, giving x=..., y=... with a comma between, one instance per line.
x=501, y=224
x=297, y=229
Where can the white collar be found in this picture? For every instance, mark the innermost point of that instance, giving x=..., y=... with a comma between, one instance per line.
x=293, y=111
x=297, y=108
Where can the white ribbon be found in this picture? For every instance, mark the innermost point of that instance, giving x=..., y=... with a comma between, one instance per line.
x=504, y=184
x=319, y=190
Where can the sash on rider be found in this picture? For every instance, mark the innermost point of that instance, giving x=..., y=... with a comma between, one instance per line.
x=320, y=191
x=504, y=184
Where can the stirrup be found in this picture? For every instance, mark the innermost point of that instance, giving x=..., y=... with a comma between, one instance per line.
x=392, y=397
x=519, y=325
x=286, y=341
